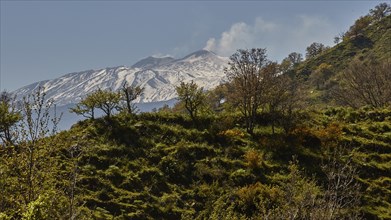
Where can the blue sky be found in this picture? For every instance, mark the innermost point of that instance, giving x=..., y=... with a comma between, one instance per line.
x=46, y=39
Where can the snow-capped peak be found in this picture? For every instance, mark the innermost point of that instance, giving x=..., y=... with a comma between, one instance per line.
x=158, y=76
x=152, y=61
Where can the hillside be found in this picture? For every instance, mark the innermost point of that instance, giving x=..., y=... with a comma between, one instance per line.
x=303, y=159
x=162, y=166
x=373, y=43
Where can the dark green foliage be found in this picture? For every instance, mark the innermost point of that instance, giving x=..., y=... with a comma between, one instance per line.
x=9, y=117
x=314, y=50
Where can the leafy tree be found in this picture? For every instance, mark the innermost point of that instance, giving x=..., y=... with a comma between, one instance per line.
x=129, y=94
x=107, y=101
x=314, y=49
x=292, y=100
x=192, y=96
x=9, y=117
x=217, y=97
x=292, y=60
x=380, y=11
x=86, y=106
x=274, y=91
x=359, y=26
x=300, y=194
x=365, y=83
x=295, y=58
x=247, y=79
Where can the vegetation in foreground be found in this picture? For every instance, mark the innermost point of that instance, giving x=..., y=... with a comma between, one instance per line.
x=251, y=149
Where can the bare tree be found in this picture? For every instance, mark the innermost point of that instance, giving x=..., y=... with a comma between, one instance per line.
x=129, y=94
x=342, y=195
x=74, y=152
x=34, y=127
x=365, y=83
x=247, y=78
x=380, y=11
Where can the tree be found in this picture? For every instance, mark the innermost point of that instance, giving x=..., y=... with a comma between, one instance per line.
x=86, y=106
x=365, y=83
x=75, y=153
x=359, y=26
x=314, y=49
x=217, y=97
x=292, y=60
x=340, y=37
x=295, y=58
x=107, y=101
x=37, y=124
x=129, y=94
x=27, y=165
x=278, y=88
x=380, y=11
x=247, y=79
x=192, y=97
x=342, y=195
x=321, y=74
x=9, y=117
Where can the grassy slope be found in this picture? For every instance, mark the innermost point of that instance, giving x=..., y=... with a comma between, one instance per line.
x=142, y=169
x=369, y=131
x=375, y=41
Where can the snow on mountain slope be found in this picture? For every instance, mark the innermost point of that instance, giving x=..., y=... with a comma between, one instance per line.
x=158, y=76
x=150, y=62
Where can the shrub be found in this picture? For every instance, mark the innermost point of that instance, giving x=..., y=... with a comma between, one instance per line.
x=253, y=158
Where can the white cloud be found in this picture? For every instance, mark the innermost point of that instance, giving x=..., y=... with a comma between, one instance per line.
x=210, y=44
x=279, y=38
x=240, y=35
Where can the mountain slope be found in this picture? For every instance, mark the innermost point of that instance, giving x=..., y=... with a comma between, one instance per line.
x=158, y=76
x=375, y=41
x=150, y=62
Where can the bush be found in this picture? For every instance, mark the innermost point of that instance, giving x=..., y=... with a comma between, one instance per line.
x=253, y=158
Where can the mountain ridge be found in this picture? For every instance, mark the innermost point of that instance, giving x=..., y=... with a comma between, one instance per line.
x=158, y=76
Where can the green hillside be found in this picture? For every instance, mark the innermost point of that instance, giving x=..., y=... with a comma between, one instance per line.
x=159, y=166
x=303, y=158
x=374, y=41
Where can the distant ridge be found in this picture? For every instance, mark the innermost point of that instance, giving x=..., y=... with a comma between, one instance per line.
x=158, y=76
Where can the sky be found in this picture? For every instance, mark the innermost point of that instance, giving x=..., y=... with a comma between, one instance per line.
x=42, y=40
